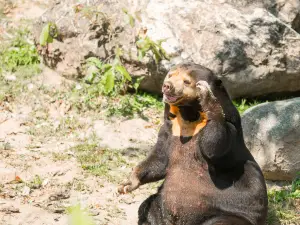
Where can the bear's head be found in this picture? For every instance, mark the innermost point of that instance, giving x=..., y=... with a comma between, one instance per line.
x=179, y=87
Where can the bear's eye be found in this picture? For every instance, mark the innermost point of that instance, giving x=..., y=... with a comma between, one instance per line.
x=187, y=82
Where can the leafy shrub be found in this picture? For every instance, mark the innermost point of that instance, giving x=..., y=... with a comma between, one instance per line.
x=145, y=44
x=20, y=52
x=20, y=61
x=283, y=204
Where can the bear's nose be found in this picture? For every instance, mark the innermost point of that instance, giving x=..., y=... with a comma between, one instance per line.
x=167, y=87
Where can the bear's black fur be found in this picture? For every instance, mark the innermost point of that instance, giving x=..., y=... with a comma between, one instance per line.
x=210, y=177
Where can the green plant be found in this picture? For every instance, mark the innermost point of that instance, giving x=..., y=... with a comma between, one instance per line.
x=145, y=44
x=79, y=215
x=130, y=18
x=49, y=32
x=36, y=182
x=19, y=52
x=58, y=156
x=128, y=105
x=284, y=203
x=19, y=62
x=243, y=104
x=108, y=77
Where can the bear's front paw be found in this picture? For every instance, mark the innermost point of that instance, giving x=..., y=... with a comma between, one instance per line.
x=204, y=91
x=208, y=101
x=129, y=185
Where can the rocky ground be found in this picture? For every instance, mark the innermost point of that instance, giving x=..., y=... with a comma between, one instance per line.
x=43, y=171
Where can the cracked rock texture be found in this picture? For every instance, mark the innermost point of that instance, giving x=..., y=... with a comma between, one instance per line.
x=254, y=46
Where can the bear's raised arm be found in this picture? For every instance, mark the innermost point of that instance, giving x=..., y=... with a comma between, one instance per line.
x=153, y=168
x=218, y=136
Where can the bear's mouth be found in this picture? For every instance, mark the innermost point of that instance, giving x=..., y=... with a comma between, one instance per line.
x=171, y=98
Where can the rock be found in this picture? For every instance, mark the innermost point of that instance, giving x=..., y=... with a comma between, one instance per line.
x=128, y=134
x=287, y=10
x=45, y=182
x=64, y=194
x=253, y=46
x=272, y=132
x=26, y=191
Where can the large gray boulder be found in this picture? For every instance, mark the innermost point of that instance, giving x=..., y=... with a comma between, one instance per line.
x=254, y=46
x=272, y=133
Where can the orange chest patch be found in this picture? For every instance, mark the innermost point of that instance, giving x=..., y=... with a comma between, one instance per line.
x=180, y=127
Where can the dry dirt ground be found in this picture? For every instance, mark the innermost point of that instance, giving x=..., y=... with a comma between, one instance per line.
x=41, y=173
x=42, y=169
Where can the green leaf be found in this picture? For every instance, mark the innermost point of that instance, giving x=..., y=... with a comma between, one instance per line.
x=53, y=31
x=131, y=20
x=45, y=35
x=91, y=74
x=157, y=56
x=141, y=54
x=106, y=67
x=118, y=53
x=138, y=16
x=122, y=70
x=143, y=44
x=160, y=41
x=94, y=61
x=109, y=81
x=137, y=83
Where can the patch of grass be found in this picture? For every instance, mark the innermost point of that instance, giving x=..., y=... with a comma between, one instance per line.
x=59, y=156
x=85, y=97
x=102, y=162
x=43, y=128
x=129, y=105
x=19, y=51
x=19, y=62
x=36, y=182
x=243, y=104
x=284, y=205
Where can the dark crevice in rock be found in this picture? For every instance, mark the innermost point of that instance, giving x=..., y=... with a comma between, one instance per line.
x=296, y=23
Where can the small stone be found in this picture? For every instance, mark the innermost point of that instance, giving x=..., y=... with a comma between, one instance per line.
x=26, y=191
x=9, y=210
x=78, y=87
x=45, y=182
x=59, y=195
x=30, y=86
x=10, y=78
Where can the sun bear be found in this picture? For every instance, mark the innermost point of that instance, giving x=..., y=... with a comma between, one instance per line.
x=210, y=176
